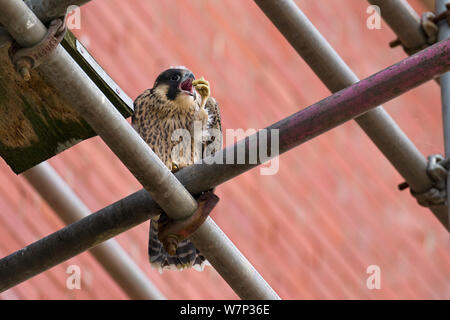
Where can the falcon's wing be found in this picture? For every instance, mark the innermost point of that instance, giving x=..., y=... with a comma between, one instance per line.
x=140, y=103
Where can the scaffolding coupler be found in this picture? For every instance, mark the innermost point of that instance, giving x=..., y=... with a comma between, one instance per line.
x=26, y=59
x=429, y=26
x=174, y=231
x=437, y=169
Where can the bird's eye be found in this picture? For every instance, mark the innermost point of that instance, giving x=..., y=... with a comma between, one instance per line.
x=175, y=77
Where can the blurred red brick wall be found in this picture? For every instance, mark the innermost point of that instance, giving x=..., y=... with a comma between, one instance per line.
x=312, y=229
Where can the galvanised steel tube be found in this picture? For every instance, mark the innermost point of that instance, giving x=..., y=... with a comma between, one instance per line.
x=336, y=75
x=64, y=74
x=403, y=20
x=293, y=130
x=444, y=34
x=66, y=204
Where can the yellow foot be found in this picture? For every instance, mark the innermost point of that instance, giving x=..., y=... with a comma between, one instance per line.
x=202, y=87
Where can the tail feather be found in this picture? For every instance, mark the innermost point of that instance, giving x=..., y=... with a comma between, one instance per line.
x=186, y=255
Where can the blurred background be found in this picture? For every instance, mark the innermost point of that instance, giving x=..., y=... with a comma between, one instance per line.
x=312, y=229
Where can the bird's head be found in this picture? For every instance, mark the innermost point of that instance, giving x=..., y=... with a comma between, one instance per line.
x=176, y=85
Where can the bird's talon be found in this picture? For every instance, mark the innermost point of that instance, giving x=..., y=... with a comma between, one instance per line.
x=202, y=87
x=200, y=81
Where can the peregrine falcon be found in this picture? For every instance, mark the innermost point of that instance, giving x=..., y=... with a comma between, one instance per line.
x=172, y=117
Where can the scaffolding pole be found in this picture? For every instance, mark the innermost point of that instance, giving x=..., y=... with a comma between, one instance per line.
x=336, y=75
x=66, y=76
x=293, y=131
x=444, y=34
x=66, y=204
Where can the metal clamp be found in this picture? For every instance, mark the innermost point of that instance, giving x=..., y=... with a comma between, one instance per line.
x=26, y=59
x=429, y=25
x=437, y=169
x=174, y=231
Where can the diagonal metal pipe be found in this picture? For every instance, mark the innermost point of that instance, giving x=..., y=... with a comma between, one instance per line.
x=66, y=204
x=293, y=131
x=62, y=72
x=336, y=75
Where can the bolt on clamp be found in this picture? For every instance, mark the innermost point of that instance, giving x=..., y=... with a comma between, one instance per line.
x=173, y=231
x=437, y=169
x=429, y=25
x=26, y=59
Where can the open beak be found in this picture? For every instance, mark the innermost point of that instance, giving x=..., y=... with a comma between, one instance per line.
x=187, y=87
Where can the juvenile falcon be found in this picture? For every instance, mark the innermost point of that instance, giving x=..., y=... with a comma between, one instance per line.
x=172, y=117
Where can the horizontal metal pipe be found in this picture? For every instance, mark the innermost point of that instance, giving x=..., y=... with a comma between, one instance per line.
x=65, y=75
x=55, y=191
x=336, y=75
x=293, y=130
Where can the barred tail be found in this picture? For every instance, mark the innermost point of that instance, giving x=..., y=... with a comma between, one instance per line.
x=185, y=257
